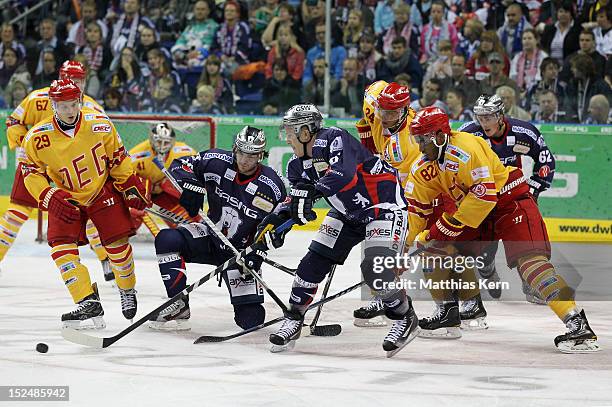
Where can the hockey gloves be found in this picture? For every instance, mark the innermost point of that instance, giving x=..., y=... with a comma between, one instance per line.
x=136, y=192
x=266, y=238
x=192, y=197
x=56, y=201
x=444, y=229
x=302, y=200
x=365, y=135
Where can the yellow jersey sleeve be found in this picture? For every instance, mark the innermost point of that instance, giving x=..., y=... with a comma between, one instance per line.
x=423, y=185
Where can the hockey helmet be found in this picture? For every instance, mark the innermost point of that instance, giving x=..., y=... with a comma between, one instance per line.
x=488, y=105
x=62, y=90
x=162, y=138
x=428, y=121
x=250, y=140
x=302, y=115
x=72, y=70
x=394, y=96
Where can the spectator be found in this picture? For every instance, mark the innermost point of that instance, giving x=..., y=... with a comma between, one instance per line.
x=548, y=111
x=455, y=100
x=603, y=31
x=470, y=40
x=525, y=67
x=48, y=41
x=162, y=98
x=587, y=47
x=164, y=16
x=112, y=101
x=127, y=29
x=401, y=27
x=441, y=68
x=421, y=12
x=383, y=16
x=286, y=49
x=15, y=93
x=404, y=79
x=148, y=41
x=281, y=91
x=338, y=54
x=7, y=40
x=127, y=79
x=511, y=32
x=205, y=101
x=264, y=15
x=49, y=72
x=599, y=110
x=232, y=41
x=286, y=14
x=368, y=56
x=77, y=35
x=549, y=71
x=12, y=70
x=313, y=14
x=196, y=39
x=561, y=39
x=496, y=76
x=400, y=60
x=432, y=91
x=313, y=89
x=437, y=29
x=94, y=87
x=583, y=86
x=588, y=14
x=459, y=80
x=160, y=68
x=352, y=85
x=511, y=109
x=341, y=15
x=211, y=75
x=477, y=65
x=98, y=56
x=352, y=32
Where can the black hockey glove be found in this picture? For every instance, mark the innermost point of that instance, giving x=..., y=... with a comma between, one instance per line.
x=192, y=197
x=265, y=238
x=302, y=200
x=253, y=261
x=536, y=185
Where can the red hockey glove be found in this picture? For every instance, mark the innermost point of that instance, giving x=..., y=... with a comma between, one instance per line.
x=444, y=230
x=136, y=191
x=365, y=135
x=56, y=202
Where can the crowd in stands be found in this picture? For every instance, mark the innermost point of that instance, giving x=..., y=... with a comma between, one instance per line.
x=550, y=61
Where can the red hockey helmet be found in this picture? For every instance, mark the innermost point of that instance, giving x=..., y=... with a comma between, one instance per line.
x=72, y=70
x=429, y=121
x=64, y=90
x=393, y=96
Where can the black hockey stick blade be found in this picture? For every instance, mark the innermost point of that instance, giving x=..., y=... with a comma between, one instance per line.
x=326, y=330
x=212, y=339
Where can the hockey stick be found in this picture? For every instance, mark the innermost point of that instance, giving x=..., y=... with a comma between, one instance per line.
x=208, y=338
x=325, y=330
x=80, y=337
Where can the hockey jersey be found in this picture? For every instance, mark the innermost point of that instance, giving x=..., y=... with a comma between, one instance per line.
x=143, y=155
x=520, y=138
x=350, y=178
x=235, y=205
x=33, y=109
x=468, y=171
x=79, y=163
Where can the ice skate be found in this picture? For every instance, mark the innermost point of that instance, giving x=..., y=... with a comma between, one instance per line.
x=88, y=314
x=128, y=303
x=473, y=315
x=580, y=338
x=402, y=332
x=443, y=324
x=284, y=339
x=370, y=315
x=175, y=317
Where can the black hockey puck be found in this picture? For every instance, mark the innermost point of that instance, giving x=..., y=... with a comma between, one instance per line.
x=42, y=348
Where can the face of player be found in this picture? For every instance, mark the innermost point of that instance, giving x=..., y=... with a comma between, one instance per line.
x=294, y=140
x=427, y=146
x=67, y=110
x=390, y=118
x=247, y=163
x=491, y=124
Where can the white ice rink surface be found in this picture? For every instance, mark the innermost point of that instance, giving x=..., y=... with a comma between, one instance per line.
x=514, y=363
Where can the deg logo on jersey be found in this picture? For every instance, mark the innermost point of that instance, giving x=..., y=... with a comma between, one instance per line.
x=479, y=190
x=101, y=128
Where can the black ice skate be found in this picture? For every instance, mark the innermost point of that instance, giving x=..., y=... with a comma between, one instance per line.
x=284, y=339
x=473, y=315
x=128, y=303
x=402, y=332
x=580, y=338
x=175, y=317
x=443, y=324
x=489, y=273
x=532, y=295
x=370, y=315
x=108, y=271
x=87, y=315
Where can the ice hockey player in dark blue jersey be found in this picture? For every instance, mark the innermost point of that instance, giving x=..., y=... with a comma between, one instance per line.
x=241, y=193
x=511, y=139
x=367, y=204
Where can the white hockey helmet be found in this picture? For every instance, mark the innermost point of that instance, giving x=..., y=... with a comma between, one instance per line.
x=162, y=138
x=488, y=104
x=302, y=115
x=250, y=140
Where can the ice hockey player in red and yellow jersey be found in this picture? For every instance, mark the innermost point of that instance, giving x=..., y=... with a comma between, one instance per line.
x=162, y=144
x=79, y=150
x=34, y=108
x=493, y=202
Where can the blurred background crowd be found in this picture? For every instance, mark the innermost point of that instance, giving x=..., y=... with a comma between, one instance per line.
x=550, y=61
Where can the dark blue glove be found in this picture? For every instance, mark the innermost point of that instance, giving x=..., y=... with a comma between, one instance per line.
x=302, y=201
x=192, y=197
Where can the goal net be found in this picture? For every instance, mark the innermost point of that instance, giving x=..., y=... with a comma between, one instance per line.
x=199, y=132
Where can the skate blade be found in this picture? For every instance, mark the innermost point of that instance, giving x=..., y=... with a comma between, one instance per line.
x=282, y=348
x=453, y=332
x=586, y=346
x=409, y=339
x=92, y=323
x=478, y=324
x=376, y=322
x=170, y=326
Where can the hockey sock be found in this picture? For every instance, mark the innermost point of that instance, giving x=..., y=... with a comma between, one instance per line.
x=120, y=256
x=74, y=274
x=540, y=274
x=302, y=293
x=10, y=223
x=397, y=303
x=94, y=241
x=249, y=315
x=439, y=282
x=469, y=284
x=168, y=244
